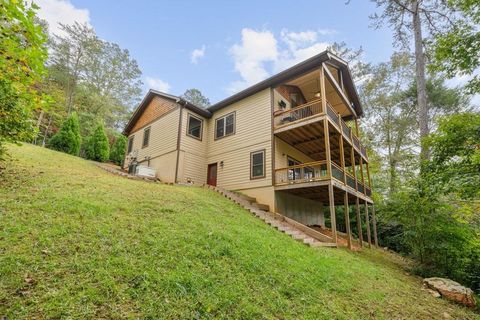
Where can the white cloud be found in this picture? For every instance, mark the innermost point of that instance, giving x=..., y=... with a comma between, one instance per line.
x=197, y=54
x=157, y=84
x=327, y=32
x=61, y=11
x=259, y=50
x=250, y=56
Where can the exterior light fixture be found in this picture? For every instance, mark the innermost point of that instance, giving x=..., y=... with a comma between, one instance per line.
x=221, y=164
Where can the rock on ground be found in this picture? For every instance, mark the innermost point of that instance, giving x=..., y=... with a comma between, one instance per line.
x=452, y=290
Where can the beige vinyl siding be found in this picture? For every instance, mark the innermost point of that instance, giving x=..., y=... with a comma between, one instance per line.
x=252, y=133
x=163, y=141
x=193, y=153
x=283, y=150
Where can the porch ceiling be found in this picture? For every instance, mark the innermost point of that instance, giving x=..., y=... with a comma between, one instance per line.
x=320, y=194
x=310, y=140
x=309, y=84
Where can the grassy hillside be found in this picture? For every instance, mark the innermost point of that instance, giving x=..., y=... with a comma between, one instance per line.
x=77, y=242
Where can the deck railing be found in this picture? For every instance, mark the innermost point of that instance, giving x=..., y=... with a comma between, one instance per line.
x=306, y=172
x=350, y=181
x=313, y=108
x=317, y=171
x=337, y=172
x=332, y=115
x=298, y=113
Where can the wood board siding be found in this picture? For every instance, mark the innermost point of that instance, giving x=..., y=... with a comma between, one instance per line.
x=156, y=108
x=252, y=133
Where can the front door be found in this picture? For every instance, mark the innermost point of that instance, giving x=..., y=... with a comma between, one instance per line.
x=212, y=174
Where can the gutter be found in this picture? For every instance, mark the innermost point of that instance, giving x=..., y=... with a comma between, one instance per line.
x=179, y=136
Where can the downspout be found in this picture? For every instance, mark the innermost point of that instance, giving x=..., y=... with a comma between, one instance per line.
x=179, y=136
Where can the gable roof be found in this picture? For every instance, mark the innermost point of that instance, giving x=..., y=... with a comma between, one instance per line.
x=149, y=97
x=292, y=72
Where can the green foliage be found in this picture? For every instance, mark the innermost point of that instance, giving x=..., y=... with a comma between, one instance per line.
x=22, y=57
x=437, y=218
x=196, y=97
x=68, y=138
x=457, y=52
x=119, y=147
x=455, y=155
x=127, y=249
x=97, y=147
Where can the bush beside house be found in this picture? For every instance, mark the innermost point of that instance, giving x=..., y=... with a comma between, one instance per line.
x=68, y=138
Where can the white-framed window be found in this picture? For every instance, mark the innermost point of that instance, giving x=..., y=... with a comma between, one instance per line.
x=257, y=164
x=194, y=127
x=225, y=126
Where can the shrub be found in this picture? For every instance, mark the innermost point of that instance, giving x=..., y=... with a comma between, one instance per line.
x=68, y=138
x=97, y=147
x=117, y=152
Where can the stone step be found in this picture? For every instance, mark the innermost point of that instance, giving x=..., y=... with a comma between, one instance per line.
x=299, y=236
x=284, y=228
x=246, y=198
x=260, y=206
x=292, y=232
x=324, y=244
x=308, y=240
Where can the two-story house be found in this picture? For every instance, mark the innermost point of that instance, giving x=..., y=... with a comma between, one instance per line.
x=290, y=141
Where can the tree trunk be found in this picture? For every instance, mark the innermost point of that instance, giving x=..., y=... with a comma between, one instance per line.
x=422, y=112
x=39, y=123
x=46, y=131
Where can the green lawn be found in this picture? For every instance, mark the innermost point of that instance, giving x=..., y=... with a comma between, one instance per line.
x=77, y=242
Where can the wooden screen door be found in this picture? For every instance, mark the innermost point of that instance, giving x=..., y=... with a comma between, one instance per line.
x=212, y=174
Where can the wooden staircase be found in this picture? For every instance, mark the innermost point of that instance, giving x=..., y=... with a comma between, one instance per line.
x=283, y=224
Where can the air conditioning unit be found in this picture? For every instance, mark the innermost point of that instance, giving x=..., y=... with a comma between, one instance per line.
x=145, y=171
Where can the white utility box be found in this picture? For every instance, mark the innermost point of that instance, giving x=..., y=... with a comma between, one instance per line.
x=144, y=171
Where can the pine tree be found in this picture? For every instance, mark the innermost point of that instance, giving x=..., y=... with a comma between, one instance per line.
x=68, y=138
x=117, y=152
x=97, y=147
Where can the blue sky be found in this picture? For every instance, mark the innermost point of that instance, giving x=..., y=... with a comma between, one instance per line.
x=236, y=43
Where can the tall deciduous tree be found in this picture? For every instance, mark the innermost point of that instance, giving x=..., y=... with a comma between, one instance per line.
x=101, y=80
x=196, y=97
x=392, y=117
x=457, y=51
x=409, y=19
x=22, y=57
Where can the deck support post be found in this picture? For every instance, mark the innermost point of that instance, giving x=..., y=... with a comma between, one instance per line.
x=367, y=219
x=346, y=210
x=333, y=219
x=359, y=222
x=374, y=223
x=342, y=159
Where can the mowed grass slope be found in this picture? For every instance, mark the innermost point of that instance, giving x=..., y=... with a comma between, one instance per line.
x=77, y=242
